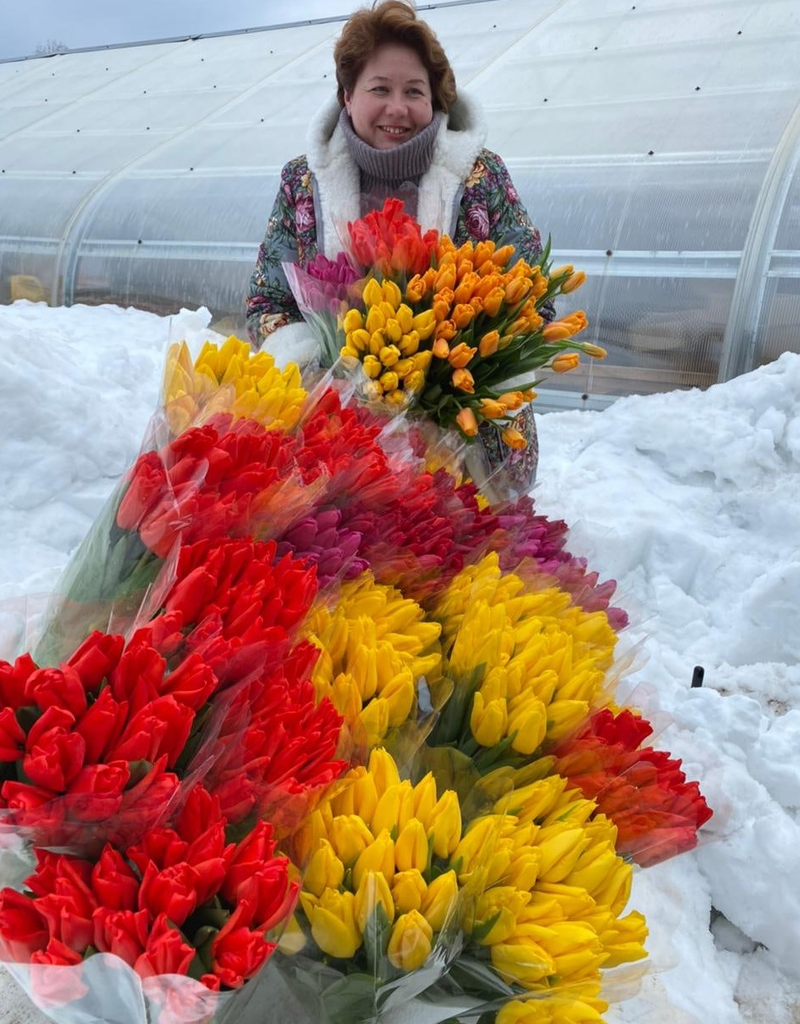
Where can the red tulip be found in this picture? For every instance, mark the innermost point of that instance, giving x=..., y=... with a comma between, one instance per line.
x=167, y=952
x=23, y=929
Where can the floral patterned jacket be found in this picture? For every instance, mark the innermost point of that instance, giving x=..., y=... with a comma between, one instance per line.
x=468, y=193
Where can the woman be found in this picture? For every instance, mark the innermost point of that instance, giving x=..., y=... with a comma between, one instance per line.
x=396, y=127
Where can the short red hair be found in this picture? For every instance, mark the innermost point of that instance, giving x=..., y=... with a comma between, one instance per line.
x=392, y=21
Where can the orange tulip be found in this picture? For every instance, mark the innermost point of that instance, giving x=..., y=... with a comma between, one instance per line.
x=463, y=380
x=573, y=282
x=512, y=437
x=565, y=361
x=466, y=420
x=556, y=331
x=593, y=350
x=487, y=346
x=460, y=355
x=491, y=409
x=441, y=349
x=463, y=315
x=517, y=290
x=446, y=330
x=511, y=399
x=501, y=256
x=493, y=301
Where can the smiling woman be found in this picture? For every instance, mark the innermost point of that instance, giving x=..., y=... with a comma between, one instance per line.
x=398, y=127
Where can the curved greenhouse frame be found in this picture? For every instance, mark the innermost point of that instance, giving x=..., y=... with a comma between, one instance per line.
x=656, y=141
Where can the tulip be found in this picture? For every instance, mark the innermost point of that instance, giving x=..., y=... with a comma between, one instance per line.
x=353, y=321
x=394, y=332
x=488, y=721
x=415, y=381
x=324, y=871
x=560, y=848
x=489, y=343
x=440, y=900
x=565, y=271
x=349, y=837
x=595, y=351
x=383, y=770
x=513, y=438
x=467, y=422
x=565, y=361
x=373, y=891
x=460, y=355
x=378, y=857
x=395, y=808
x=416, y=289
x=502, y=255
x=464, y=381
x=409, y=343
x=493, y=300
x=424, y=324
x=496, y=913
x=522, y=960
x=517, y=290
x=408, y=890
x=528, y=722
x=389, y=381
x=446, y=278
x=411, y=847
x=441, y=350
x=445, y=331
x=372, y=293
x=470, y=853
x=333, y=922
x=444, y=824
x=492, y=409
x=463, y=315
x=573, y=281
x=410, y=941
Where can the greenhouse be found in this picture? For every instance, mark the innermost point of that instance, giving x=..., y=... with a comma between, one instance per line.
x=655, y=141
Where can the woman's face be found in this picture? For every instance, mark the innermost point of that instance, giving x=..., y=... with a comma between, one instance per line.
x=391, y=100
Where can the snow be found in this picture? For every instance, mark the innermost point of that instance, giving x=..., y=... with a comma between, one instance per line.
x=689, y=500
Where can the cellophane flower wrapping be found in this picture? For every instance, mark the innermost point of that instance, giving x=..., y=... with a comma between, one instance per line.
x=317, y=731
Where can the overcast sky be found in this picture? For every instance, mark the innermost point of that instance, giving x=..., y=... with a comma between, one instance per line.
x=26, y=24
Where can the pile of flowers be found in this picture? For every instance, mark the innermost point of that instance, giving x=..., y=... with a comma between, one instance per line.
x=439, y=327
x=349, y=721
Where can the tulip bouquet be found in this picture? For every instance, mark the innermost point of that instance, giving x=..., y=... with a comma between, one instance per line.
x=439, y=327
x=350, y=752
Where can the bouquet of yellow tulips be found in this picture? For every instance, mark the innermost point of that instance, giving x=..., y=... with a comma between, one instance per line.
x=444, y=328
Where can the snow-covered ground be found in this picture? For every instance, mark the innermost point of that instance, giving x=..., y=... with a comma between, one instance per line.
x=690, y=500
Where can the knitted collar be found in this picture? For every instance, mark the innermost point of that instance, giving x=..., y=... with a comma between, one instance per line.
x=406, y=162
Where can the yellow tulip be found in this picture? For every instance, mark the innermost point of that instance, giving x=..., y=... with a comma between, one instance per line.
x=394, y=332
x=379, y=856
x=372, y=366
x=349, y=836
x=324, y=871
x=398, y=695
x=410, y=941
x=372, y=294
x=395, y=808
x=333, y=922
x=353, y=321
x=499, y=905
x=422, y=360
x=383, y=770
x=444, y=824
x=409, y=343
x=560, y=848
x=488, y=721
x=391, y=293
x=440, y=900
x=529, y=723
x=424, y=324
x=405, y=317
x=389, y=381
x=467, y=421
x=415, y=381
x=372, y=891
x=411, y=847
x=408, y=890
x=470, y=853
x=595, y=351
x=292, y=938
x=522, y=960
x=389, y=355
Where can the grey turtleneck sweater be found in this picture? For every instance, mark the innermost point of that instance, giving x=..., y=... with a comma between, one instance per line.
x=391, y=172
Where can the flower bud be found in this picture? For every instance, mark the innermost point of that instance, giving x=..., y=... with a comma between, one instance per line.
x=395, y=808
x=492, y=409
x=411, y=847
x=372, y=293
x=389, y=355
x=383, y=770
x=410, y=941
x=460, y=355
x=408, y=890
x=556, y=331
x=424, y=324
x=573, y=281
x=487, y=346
x=391, y=293
x=440, y=900
x=359, y=338
x=444, y=824
x=389, y=381
x=372, y=366
x=353, y=320
x=513, y=438
x=333, y=922
x=394, y=331
x=409, y=343
x=349, y=835
x=379, y=856
x=488, y=721
x=565, y=361
x=467, y=422
x=324, y=871
x=373, y=890
x=440, y=349
x=595, y=351
x=464, y=381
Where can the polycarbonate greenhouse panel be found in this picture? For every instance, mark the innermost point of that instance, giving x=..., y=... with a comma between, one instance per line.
x=655, y=141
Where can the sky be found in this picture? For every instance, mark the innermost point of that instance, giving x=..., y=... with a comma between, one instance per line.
x=79, y=23
x=688, y=499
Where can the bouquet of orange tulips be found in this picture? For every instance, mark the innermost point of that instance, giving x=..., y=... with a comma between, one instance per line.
x=444, y=328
